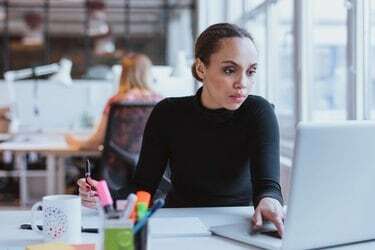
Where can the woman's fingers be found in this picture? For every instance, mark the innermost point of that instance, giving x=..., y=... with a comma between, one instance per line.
x=257, y=219
x=279, y=224
x=89, y=204
x=87, y=199
x=82, y=183
x=84, y=193
x=93, y=183
x=269, y=209
x=89, y=184
x=88, y=196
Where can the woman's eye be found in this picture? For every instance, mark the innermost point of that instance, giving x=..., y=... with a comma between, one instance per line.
x=228, y=71
x=251, y=73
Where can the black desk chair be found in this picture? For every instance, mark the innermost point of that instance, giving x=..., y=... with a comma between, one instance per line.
x=122, y=144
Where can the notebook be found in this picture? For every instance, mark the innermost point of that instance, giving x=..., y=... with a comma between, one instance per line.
x=177, y=227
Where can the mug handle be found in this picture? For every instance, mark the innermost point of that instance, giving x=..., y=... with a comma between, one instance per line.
x=34, y=209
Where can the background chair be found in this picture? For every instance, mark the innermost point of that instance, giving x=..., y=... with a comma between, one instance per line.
x=122, y=144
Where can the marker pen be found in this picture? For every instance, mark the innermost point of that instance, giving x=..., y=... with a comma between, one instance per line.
x=105, y=197
x=159, y=203
x=132, y=200
x=144, y=197
x=141, y=210
x=143, y=202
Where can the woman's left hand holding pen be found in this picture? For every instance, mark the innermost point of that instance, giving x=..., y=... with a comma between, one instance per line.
x=87, y=191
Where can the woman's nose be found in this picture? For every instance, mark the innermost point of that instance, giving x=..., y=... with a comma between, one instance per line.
x=241, y=82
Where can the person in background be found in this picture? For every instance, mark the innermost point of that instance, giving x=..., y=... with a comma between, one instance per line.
x=222, y=144
x=134, y=86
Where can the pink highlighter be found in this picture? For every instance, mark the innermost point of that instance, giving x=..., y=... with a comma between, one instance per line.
x=105, y=197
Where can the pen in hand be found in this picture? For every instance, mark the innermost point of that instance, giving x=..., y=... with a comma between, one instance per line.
x=88, y=174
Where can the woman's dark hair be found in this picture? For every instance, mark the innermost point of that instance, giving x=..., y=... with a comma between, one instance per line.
x=209, y=40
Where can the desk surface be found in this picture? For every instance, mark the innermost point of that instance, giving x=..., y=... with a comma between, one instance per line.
x=12, y=238
x=43, y=143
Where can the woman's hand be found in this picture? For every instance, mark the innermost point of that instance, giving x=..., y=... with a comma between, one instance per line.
x=269, y=209
x=87, y=192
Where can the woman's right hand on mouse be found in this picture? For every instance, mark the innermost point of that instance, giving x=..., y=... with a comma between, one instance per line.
x=87, y=192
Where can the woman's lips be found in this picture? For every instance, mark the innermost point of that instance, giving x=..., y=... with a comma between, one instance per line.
x=237, y=98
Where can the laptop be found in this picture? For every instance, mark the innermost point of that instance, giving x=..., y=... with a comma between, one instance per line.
x=332, y=195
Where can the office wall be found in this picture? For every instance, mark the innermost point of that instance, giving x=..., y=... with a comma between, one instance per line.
x=78, y=106
x=59, y=106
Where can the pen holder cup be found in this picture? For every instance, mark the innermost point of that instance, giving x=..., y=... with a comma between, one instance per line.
x=118, y=235
x=140, y=238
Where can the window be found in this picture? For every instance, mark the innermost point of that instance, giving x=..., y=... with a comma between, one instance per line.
x=271, y=24
x=372, y=60
x=283, y=83
x=329, y=60
x=252, y=4
x=257, y=28
x=284, y=89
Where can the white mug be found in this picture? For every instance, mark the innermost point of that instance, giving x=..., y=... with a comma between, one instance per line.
x=61, y=216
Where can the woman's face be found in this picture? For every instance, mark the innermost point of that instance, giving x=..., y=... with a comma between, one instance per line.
x=229, y=76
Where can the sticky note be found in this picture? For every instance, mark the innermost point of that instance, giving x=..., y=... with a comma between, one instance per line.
x=50, y=246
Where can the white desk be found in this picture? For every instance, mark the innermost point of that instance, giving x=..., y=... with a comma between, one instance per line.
x=12, y=238
x=51, y=145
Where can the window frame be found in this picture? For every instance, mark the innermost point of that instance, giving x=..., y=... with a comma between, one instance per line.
x=358, y=47
x=271, y=67
x=358, y=99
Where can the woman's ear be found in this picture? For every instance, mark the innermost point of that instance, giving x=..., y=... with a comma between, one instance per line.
x=200, y=68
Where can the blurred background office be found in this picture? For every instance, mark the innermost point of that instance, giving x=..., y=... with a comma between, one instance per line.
x=316, y=62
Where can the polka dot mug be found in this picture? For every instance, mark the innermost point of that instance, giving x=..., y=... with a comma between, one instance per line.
x=60, y=217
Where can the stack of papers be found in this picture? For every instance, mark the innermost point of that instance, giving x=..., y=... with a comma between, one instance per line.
x=177, y=227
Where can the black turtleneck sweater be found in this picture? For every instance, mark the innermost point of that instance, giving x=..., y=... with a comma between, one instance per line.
x=217, y=157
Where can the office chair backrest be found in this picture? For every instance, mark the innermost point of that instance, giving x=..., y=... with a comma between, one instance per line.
x=123, y=141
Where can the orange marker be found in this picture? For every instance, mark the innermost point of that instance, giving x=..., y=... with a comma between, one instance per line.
x=143, y=197
x=143, y=201
x=133, y=216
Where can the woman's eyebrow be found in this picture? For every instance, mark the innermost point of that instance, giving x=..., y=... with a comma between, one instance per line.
x=229, y=61
x=254, y=65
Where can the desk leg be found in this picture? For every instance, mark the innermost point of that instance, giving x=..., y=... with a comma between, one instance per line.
x=22, y=168
x=51, y=169
x=61, y=175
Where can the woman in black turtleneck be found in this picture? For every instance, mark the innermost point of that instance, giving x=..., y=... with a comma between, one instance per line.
x=222, y=144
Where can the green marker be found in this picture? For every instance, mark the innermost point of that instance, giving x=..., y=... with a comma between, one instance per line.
x=141, y=210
